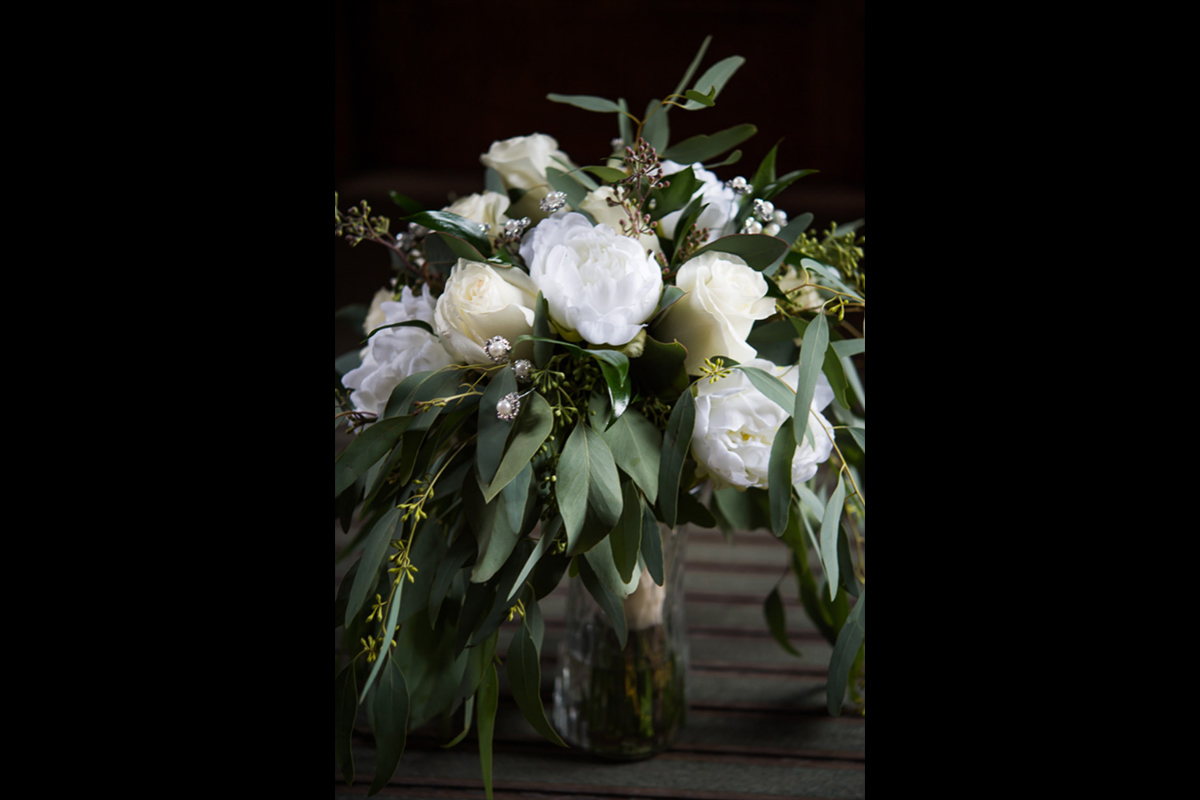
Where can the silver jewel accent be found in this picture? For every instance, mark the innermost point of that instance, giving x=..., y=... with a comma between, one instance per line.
x=751, y=225
x=497, y=349
x=781, y=218
x=739, y=185
x=484, y=227
x=764, y=210
x=523, y=369
x=508, y=407
x=553, y=202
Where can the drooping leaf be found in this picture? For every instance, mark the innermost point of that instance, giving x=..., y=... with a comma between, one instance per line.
x=530, y=429
x=651, y=545
x=624, y=124
x=488, y=702
x=660, y=372
x=493, y=431
x=830, y=524
x=607, y=174
x=366, y=448
x=601, y=558
x=677, y=443
x=462, y=550
x=704, y=100
x=497, y=545
x=543, y=344
x=779, y=477
x=457, y=226
x=656, y=130
x=636, y=446
x=366, y=576
x=714, y=79
x=586, y=102
x=777, y=620
x=390, y=724
x=758, y=250
x=569, y=185
x=695, y=65
x=860, y=437
x=608, y=602
x=790, y=233
x=704, y=147
x=587, y=477
x=812, y=354
x=345, y=709
x=407, y=204
x=524, y=678
x=775, y=390
x=850, y=639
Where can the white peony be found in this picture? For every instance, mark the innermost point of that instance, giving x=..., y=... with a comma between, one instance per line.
x=722, y=203
x=599, y=285
x=736, y=425
x=486, y=208
x=481, y=301
x=522, y=162
x=724, y=298
x=395, y=353
x=596, y=204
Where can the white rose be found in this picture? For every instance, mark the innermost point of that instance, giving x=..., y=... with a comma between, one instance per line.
x=724, y=298
x=722, y=203
x=736, y=425
x=487, y=209
x=480, y=302
x=395, y=353
x=596, y=204
x=521, y=162
x=599, y=285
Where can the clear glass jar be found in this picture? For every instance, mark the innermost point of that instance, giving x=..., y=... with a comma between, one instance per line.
x=626, y=703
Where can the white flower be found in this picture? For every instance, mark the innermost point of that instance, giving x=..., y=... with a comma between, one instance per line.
x=522, y=162
x=481, y=301
x=486, y=209
x=596, y=204
x=789, y=280
x=724, y=298
x=599, y=285
x=395, y=353
x=722, y=203
x=736, y=425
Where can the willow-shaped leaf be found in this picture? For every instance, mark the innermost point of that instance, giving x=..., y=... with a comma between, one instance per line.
x=849, y=640
x=525, y=677
x=624, y=124
x=461, y=551
x=714, y=79
x=587, y=476
x=374, y=550
x=777, y=620
x=390, y=724
x=812, y=354
x=626, y=538
x=456, y=226
x=468, y=719
x=600, y=558
x=543, y=343
x=586, y=102
x=695, y=65
x=860, y=436
x=636, y=446
x=607, y=174
x=776, y=390
x=367, y=448
x=758, y=250
x=656, y=130
x=549, y=531
x=497, y=545
x=779, y=477
x=389, y=631
x=702, y=99
x=677, y=442
x=609, y=603
x=530, y=430
x=704, y=147
x=830, y=526
x=489, y=701
x=345, y=709
x=651, y=545
x=493, y=431
x=407, y=204
x=790, y=233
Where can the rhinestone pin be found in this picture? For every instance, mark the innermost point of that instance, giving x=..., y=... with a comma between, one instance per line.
x=764, y=210
x=523, y=369
x=739, y=185
x=497, y=349
x=553, y=202
x=508, y=407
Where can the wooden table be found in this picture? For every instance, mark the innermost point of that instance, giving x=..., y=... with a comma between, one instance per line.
x=757, y=724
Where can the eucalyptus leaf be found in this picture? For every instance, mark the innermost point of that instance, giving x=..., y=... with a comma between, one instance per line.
x=366, y=448
x=587, y=478
x=790, y=233
x=543, y=343
x=345, y=710
x=714, y=79
x=389, y=631
x=677, y=443
x=493, y=431
x=488, y=701
x=390, y=724
x=524, y=678
x=529, y=432
x=456, y=226
x=777, y=620
x=860, y=437
x=624, y=125
x=407, y=204
x=374, y=550
x=636, y=446
x=651, y=545
x=656, y=130
x=703, y=100
x=609, y=603
x=586, y=102
x=704, y=147
x=570, y=186
x=770, y=385
x=607, y=174
x=830, y=525
x=779, y=477
x=845, y=650
x=461, y=552
x=492, y=182
x=812, y=354
x=498, y=544
x=758, y=250
x=849, y=347
x=695, y=65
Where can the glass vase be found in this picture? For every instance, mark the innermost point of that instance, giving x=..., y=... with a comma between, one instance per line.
x=626, y=703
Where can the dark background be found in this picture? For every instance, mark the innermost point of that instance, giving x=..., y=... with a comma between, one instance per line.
x=421, y=90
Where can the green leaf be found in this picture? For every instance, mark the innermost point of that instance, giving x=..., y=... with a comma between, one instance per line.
x=765, y=174
x=656, y=130
x=608, y=602
x=390, y=724
x=366, y=448
x=758, y=250
x=345, y=709
x=488, y=702
x=549, y=531
x=812, y=354
x=849, y=640
x=346, y=362
x=777, y=620
x=714, y=79
x=543, y=343
x=529, y=432
x=492, y=182
x=407, y=204
x=625, y=540
x=461, y=247
x=651, y=546
x=624, y=124
x=461, y=551
x=468, y=718
x=493, y=431
x=860, y=437
x=497, y=544
x=849, y=347
x=704, y=100
x=677, y=194
x=586, y=102
x=570, y=186
x=779, y=184
x=367, y=574
x=412, y=323
x=695, y=65
x=770, y=385
x=779, y=477
x=790, y=233
x=607, y=174
x=677, y=443
x=660, y=372
x=636, y=446
x=704, y=147
x=525, y=679
x=456, y=226
x=830, y=525
x=587, y=476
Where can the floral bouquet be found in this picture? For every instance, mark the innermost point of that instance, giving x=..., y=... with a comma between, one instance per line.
x=558, y=365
